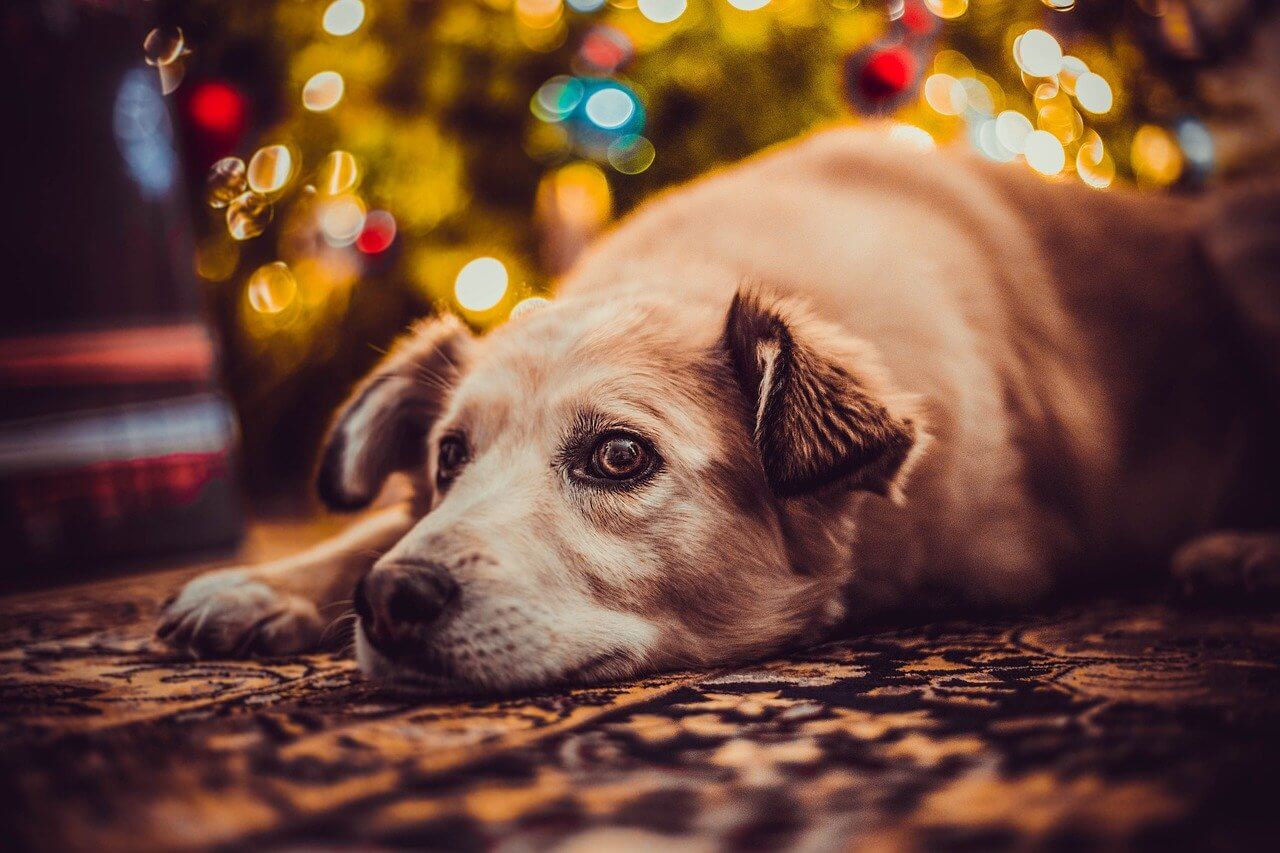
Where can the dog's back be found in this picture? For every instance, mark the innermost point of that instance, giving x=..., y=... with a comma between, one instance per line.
x=1086, y=381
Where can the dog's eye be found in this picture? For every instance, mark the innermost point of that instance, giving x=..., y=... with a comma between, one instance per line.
x=619, y=457
x=452, y=457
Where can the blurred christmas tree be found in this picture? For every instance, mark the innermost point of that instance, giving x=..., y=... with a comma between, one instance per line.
x=369, y=162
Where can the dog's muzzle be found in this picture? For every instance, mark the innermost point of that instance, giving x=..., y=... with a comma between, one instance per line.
x=398, y=604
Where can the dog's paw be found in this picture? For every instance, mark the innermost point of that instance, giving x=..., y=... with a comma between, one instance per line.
x=1229, y=563
x=231, y=614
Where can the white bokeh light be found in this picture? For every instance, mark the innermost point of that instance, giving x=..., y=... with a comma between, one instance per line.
x=1094, y=93
x=662, y=11
x=1038, y=53
x=343, y=17
x=1044, y=152
x=610, y=108
x=481, y=284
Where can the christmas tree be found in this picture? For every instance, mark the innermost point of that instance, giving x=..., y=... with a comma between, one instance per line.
x=358, y=163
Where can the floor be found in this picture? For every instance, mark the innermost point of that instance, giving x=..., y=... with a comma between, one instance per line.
x=1101, y=724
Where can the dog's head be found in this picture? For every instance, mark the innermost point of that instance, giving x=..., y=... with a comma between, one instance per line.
x=614, y=488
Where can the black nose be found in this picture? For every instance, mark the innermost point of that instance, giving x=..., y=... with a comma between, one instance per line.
x=394, y=600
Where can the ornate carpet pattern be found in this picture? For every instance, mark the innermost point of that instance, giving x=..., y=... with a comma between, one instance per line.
x=1101, y=725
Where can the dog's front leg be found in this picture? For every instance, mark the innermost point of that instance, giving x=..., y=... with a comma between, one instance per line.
x=281, y=607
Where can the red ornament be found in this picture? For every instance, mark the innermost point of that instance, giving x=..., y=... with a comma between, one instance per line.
x=217, y=108
x=887, y=73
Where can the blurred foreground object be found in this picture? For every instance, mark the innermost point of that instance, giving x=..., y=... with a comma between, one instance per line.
x=113, y=440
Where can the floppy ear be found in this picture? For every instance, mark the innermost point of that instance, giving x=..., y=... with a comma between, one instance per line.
x=821, y=416
x=383, y=426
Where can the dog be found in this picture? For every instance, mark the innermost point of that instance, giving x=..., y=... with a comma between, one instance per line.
x=840, y=378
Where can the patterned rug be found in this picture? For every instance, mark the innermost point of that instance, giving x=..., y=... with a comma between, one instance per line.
x=1112, y=724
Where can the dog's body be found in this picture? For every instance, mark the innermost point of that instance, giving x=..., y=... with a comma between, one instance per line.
x=945, y=381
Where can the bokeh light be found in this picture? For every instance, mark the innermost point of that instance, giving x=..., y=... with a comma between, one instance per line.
x=248, y=215
x=226, y=180
x=270, y=168
x=323, y=91
x=945, y=94
x=1093, y=93
x=338, y=173
x=481, y=284
x=749, y=5
x=557, y=98
x=529, y=305
x=378, y=234
x=341, y=219
x=1044, y=152
x=163, y=45
x=947, y=9
x=271, y=288
x=1038, y=53
x=662, y=11
x=631, y=154
x=1094, y=165
x=1155, y=156
x=610, y=107
x=343, y=17
x=1012, y=129
x=1061, y=119
x=1197, y=144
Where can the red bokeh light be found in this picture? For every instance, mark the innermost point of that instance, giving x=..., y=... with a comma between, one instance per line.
x=217, y=108
x=887, y=73
x=378, y=234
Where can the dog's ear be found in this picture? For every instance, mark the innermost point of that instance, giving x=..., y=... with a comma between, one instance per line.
x=821, y=415
x=382, y=427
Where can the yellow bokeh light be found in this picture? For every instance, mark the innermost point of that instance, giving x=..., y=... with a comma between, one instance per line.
x=271, y=288
x=163, y=45
x=323, y=91
x=217, y=259
x=343, y=17
x=749, y=5
x=577, y=195
x=1060, y=118
x=662, y=11
x=631, y=154
x=947, y=8
x=1038, y=53
x=1155, y=156
x=1093, y=164
x=248, y=216
x=1044, y=152
x=481, y=284
x=338, y=173
x=270, y=169
x=226, y=180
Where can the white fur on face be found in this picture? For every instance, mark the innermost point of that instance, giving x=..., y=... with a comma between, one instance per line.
x=561, y=579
